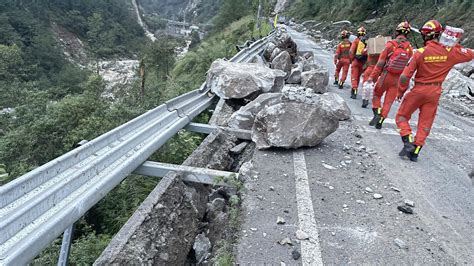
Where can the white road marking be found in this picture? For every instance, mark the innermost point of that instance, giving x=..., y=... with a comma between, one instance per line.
x=310, y=249
x=433, y=135
x=413, y=124
x=322, y=55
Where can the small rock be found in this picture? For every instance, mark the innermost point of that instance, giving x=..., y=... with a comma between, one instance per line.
x=301, y=235
x=395, y=189
x=282, y=263
x=330, y=167
x=400, y=243
x=260, y=197
x=295, y=254
x=271, y=188
x=202, y=247
x=405, y=209
x=253, y=229
x=358, y=142
x=333, y=233
x=285, y=241
x=345, y=206
x=377, y=196
x=360, y=201
x=368, y=189
x=264, y=234
x=239, y=148
x=331, y=187
x=409, y=203
x=280, y=220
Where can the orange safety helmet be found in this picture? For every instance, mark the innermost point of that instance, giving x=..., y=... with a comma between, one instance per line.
x=432, y=29
x=344, y=34
x=361, y=31
x=404, y=27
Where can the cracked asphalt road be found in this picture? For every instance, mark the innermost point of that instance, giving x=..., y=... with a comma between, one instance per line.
x=342, y=175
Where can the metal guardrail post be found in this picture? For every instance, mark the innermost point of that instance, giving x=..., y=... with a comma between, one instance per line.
x=66, y=246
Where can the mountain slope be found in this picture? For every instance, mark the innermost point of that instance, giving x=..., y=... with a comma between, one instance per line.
x=380, y=17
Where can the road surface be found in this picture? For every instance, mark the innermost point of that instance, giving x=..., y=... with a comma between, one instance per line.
x=328, y=193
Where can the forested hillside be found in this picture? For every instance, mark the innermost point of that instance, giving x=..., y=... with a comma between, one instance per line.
x=387, y=13
x=50, y=103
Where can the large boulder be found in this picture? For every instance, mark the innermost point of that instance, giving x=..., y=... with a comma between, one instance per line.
x=285, y=43
x=275, y=53
x=292, y=125
x=317, y=80
x=282, y=62
x=238, y=80
x=245, y=116
x=335, y=104
x=456, y=84
x=295, y=75
x=267, y=53
x=331, y=102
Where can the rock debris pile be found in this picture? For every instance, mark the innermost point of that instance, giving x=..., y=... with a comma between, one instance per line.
x=289, y=103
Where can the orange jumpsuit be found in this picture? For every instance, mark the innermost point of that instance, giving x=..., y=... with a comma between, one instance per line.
x=370, y=65
x=342, y=60
x=388, y=82
x=432, y=64
x=357, y=66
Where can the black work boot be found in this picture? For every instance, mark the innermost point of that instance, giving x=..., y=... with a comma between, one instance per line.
x=408, y=146
x=413, y=156
x=365, y=103
x=376, y=117
x=380, y=122
x=354, y=93
x=336, y=82
x=341, y=85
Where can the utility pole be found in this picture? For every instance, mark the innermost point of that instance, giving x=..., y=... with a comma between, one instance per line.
x=259, y=14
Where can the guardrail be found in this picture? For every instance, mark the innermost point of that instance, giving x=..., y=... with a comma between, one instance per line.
x=39, y=206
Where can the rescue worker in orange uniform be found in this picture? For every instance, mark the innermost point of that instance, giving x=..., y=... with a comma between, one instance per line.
x=342, y=59
x=390, y=65
x=432, y=64
x=358, y=55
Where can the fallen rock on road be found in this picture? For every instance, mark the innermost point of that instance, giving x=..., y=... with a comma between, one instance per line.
x=317, y=79
x=245, y=117
x=237, y=80
x=282, y=62
x=293, y=125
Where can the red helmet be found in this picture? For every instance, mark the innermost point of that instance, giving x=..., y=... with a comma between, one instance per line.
x=361, y=31
x=431, y=28
x=344, y=34
x=404, y=27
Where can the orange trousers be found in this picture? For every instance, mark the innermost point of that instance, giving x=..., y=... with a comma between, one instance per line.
x=342, y=64
x=357, y=68
x=425, y=98
x=388, y=84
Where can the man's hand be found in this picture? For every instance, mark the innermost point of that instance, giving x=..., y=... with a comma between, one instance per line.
x=335, y=62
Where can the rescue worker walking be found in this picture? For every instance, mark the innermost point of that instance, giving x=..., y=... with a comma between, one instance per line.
x=358, y=56
x=342, y=59
x=432, y=64
x=390, y=65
